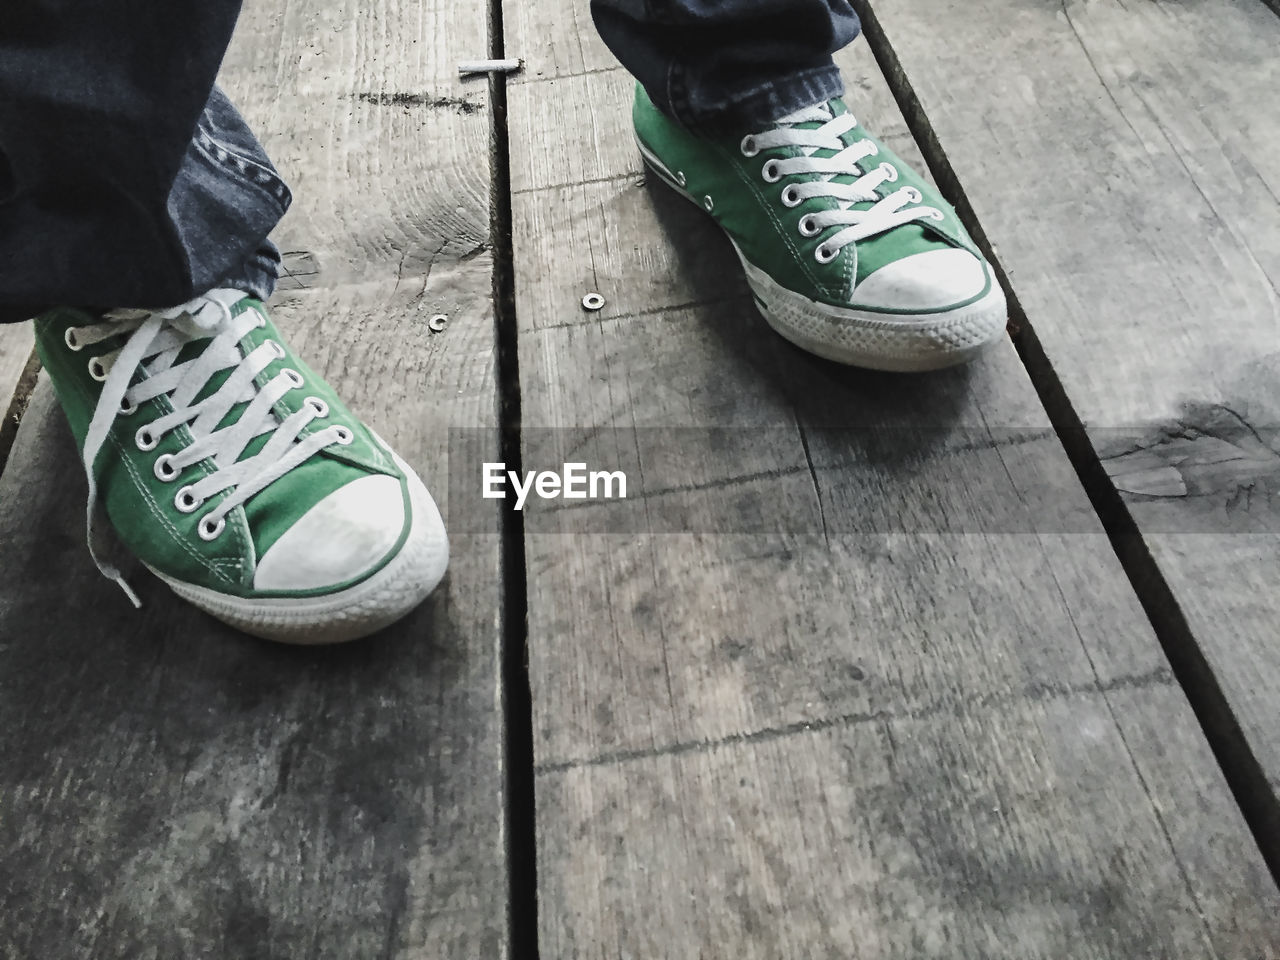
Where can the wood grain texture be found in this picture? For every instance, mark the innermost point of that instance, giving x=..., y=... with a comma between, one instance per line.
x=860, y=704
x=173, y=789
x=554, y=41
x=1129, y=174
x=16, y=345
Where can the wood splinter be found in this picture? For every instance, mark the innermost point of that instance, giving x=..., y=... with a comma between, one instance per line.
x=489, y=66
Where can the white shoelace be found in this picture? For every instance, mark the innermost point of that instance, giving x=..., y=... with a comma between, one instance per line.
x=155, y=339
x=897, y=208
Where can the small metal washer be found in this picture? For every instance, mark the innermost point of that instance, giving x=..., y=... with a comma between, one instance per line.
x=437, y=323
x=592, y=302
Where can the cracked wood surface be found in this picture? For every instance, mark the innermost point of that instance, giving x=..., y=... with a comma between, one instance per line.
x=173, y=789
x=1124, y=159
x=853, y=672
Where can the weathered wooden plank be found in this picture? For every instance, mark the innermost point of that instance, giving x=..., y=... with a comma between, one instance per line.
x=807, y=734
x=1128, y=171
x=554, y=41
x=936, y=836
x=173, y=789
x=16, y=343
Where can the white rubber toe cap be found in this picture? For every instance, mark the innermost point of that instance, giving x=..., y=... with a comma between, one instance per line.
x=339, y=539
x=924, y=282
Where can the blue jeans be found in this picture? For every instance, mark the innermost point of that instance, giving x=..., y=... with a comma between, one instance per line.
x=723, y=66
x=128, y=179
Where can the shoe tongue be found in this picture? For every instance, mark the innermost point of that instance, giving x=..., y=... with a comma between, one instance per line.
x=810, y=118
x=194, y=347
x=210, y=309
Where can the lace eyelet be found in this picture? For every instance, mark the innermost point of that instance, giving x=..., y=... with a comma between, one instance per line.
x=210, y=531
x=294, y=377
x=184, y=501
x=319, y=406
x=680, y=178
x=127, y=407
x=913, y=195
x=69, y=335
x=163, y=470
x=935, y=214
x=708, y=204
x=145, y=440
x=890, y=172
x=824, y=254
x=343, y=435
x=791, y=196
x=748, y=146
x=808, y=226
x=769, y=172
x=97, y=369
x=277, y=349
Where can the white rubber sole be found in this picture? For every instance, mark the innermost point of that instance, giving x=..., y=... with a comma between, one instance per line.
x=350, y=614
x=898, y=343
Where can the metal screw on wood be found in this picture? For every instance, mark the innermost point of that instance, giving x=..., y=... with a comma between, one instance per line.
x=592, y=302
x=437, y=323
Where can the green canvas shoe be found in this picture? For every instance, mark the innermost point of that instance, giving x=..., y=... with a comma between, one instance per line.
x=849, y=253
x=237, y=475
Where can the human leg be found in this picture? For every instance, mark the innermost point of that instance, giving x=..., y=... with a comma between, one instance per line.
x=125, y=177
x=220, y=459
x=718, y=65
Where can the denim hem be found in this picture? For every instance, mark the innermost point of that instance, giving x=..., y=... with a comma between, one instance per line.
x=224, y=204
x=756, y=107
x=257, y=276
x=244, y=168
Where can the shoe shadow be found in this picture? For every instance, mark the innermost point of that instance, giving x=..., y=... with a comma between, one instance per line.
x=847, y=413
x=702, y=256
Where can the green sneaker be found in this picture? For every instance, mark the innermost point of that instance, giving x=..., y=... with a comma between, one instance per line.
x=849, y=253
x=237, y=475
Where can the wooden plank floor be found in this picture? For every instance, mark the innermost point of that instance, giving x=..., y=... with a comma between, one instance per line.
x=1125, y=161
x=806, y=694
x=854, y=672
x=172, y=789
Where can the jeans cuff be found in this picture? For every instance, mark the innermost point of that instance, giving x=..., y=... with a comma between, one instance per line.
x=756, y=107
x=257, y=276
x=225, y=201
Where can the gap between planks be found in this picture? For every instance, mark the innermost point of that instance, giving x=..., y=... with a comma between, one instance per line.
x=520, y=816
